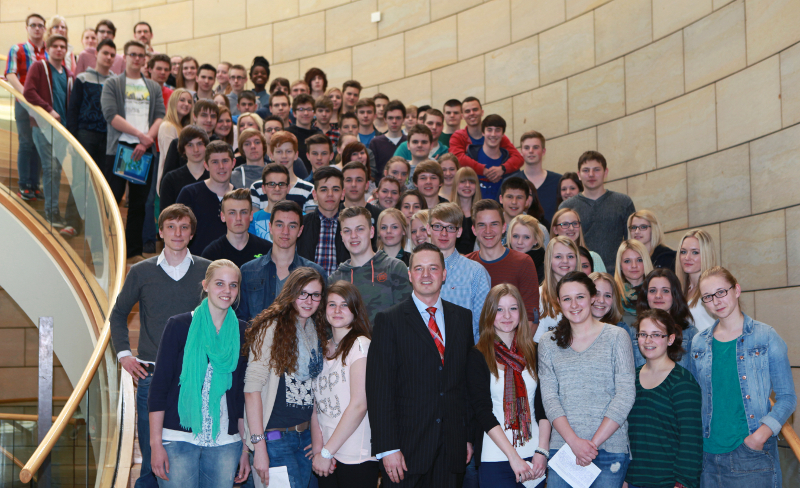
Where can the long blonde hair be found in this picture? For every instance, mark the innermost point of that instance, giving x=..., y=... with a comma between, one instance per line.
x=614, y=315
x=465, y=173
x=549, y=295
x=708, y=259
x=525, y=345
x=656, y=233
x=532, y=224
x=559, y=213
x=639, y=249
x=401, y=219
x=172, y=116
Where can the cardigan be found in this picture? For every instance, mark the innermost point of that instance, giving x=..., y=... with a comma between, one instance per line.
x=113, y=102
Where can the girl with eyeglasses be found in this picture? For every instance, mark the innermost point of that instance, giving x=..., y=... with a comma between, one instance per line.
x=643, y=226
x=560, y=258
x=664, y=426
x=567, y=223
x=696, y=254
x=739, y=362
x=285, y=346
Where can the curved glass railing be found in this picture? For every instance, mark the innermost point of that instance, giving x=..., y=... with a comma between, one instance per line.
x=75, y=216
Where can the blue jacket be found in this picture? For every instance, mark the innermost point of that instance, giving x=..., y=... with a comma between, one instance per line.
x=763, y=365
x=165, y=387
x=258, y=284
x=686, y=343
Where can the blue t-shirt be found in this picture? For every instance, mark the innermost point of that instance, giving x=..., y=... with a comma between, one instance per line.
x=60, y=93
x=477, y=142
x=366, y=139
x=293, y=405
x=260, y=225
x=488, y=189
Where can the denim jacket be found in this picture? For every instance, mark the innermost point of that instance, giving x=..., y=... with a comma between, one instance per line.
x=763, y=365
x=258, y=284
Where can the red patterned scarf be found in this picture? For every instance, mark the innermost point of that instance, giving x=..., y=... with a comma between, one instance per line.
x=516, y=409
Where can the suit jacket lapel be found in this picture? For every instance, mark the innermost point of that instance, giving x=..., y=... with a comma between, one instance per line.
x=417, y=324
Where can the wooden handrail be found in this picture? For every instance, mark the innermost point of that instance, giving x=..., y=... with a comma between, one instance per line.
x=6, y=401
x=13, y=459
x=34, y=418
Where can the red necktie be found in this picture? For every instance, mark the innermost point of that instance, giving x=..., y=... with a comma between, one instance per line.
x=434, y=330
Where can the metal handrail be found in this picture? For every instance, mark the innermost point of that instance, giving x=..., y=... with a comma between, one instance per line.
x=44, y=448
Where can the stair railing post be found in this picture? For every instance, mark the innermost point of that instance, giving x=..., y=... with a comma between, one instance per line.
x=45, y=392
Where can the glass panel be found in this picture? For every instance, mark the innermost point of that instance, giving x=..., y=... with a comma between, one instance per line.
x=8, y=142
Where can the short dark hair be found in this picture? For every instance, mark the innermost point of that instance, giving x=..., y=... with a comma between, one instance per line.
x=108, y=24
x=201, y=106
x=425, y=246
x=532, y=134
x=327, y=172
x=471, y=99
x=56, y=37
x=484, y=205
x=155, y=58
x=350, y=212
x=218, y=147
x=142, y=22
x=355, y=165
x=206, y=66
x=318, y=139
x=420, y=129
x=278, y=82
x=107, y=42
x=351, y=84
x=177, y=211
x=365, y=102
x=395, y=105
x=286, y=206
x=278, y=95
x=592, y=156
x=259, y=61
x=347, y=115
x=675, y=350
x=190, y=133
x=249, y=95
x=435, y=112
x=494, y=120
x=452, y=103
x=29, y=17
x=274, y=168
x=380, y=96
x=131, y=44
x=515, y=183
x=274, y=118
x=303, y=99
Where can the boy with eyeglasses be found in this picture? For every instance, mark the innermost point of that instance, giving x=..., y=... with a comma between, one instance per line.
x=275, y=184
x=105, y=29
x=303, y=128
x=237, y=77
x=604, y=213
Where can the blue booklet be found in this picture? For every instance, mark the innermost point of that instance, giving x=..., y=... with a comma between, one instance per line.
x=133, y=171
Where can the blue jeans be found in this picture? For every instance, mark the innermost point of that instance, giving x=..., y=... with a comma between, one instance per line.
x=150, y=230
x=192, y=466
x=471, y=479
x=289, y=451
x=500, y=475
x=27, y=158
x=743, y=468
x=146, y=477
x=613, y=467
x=51, y=167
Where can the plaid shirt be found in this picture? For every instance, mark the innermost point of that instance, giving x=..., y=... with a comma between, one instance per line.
x=21, y=57
x=325, y=255
x=467, y=285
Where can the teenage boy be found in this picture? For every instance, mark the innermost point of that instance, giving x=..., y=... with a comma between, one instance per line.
x=163, y=286
x=428, y=178
x=322, y=242
x=348, y=124
x=381, y=101
x=204, y=197
x=468, y=282
x=279, y=106
x=259, y=76
x=192, y=142
x=204, y=114
x=48, y=85
x=503, y=264
x=319, y=152
x=419, y=142
x=143, y=33
x=434, y=120
x=20, y=58
x=283, y=148
x=88, y=58
x=385, y=145
x=238, y=78
x=299, y=87
x=490, y=154
x=532, y=147
x=263, y=277
x=275, y=182
x=351, y=90
x=252, y=147
x=272, y=125
x=237, y=245
x=381, y=279
x=133, y=107
x=452, y=120
x=158, y=65
x=516, y=198
x=472, y=134
x=206, y=75
x=303, y=128
x=323, y=111
x=603, y=213
x=246, y=102
x=365, y=111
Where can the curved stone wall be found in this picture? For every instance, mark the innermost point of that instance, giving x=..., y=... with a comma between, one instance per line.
x=695, y=103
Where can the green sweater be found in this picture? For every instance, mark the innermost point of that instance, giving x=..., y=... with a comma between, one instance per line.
x=665, y=431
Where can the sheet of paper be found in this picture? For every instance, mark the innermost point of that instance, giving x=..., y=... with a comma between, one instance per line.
x=279, y=477
x=533, y=483
x=577, y=476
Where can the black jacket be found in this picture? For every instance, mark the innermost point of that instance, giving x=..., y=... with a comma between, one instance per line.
x=414, y=402
x=308, y=240
x=663, y=257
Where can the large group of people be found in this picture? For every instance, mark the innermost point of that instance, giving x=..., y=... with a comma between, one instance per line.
x=354, y=288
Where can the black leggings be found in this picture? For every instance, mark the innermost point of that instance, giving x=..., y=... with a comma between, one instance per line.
x=364, y=475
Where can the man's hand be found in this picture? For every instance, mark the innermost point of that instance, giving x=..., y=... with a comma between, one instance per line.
x=55, y=115
x=470, y=452
x=138, y=152
x=493, y=174
x=395, y=466
x=133, y=367
x=145, y=140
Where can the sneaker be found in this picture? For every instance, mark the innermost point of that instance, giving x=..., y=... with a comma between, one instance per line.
x=39, y=194
x=56, y=221
x=26, y=194
x=68, y=231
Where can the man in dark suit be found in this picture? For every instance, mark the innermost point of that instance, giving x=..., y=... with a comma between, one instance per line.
x=416, y=382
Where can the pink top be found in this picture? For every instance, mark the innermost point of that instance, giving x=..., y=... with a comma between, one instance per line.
x=332, y=396
x=88, y=59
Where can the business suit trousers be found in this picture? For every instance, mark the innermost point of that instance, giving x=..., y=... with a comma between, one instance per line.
x=438, y=476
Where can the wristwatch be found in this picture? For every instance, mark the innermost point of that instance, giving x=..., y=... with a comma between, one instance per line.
x=326, y=453
x=256, y=438
x=542, y=452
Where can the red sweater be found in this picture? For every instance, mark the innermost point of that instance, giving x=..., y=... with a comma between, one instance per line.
x=516, y=269
x=460, y=141
x=39, y=87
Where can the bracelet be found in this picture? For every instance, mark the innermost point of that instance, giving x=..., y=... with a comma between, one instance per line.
x=544, y=453
x=326, y=454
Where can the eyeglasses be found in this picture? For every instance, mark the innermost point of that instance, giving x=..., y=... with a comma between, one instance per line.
x=36, y=26
x=273, y=184
x=304, y=109
x=237, y=78
x=634, y=228
x=567, y=225
x=450, y=228
x=272, y=129
x=643, y=336
x=315, y=297
x=137, y=55
x=719, y=294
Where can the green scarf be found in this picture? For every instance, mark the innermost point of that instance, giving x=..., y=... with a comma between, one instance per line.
x=204, y=345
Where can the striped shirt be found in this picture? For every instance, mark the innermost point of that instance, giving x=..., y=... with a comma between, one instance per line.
x=665, y=430
x=21, y=57
x=300, y=193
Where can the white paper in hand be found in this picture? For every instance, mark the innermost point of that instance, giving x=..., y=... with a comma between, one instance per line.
x=577, y=476
x=532, y=483
x=279, y=477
